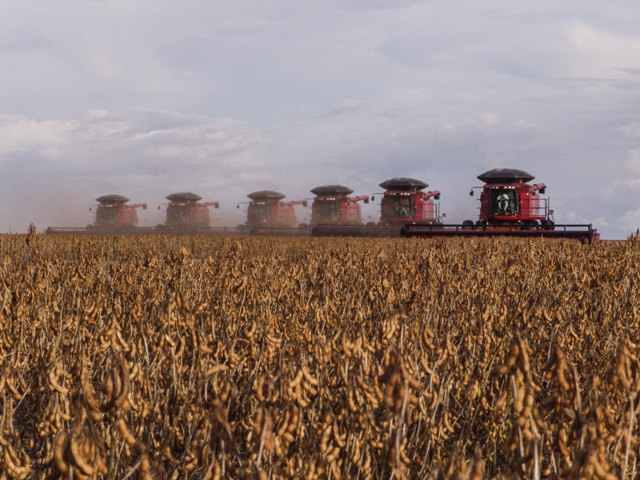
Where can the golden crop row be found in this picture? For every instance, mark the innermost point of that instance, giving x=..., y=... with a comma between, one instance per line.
x=213, y=357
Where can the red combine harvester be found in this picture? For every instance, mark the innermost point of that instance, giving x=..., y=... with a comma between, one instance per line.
x=185, y=215
x=332, y=207
x=509, y=206
x=266, y=214
x=403, y=201
x=113, y=215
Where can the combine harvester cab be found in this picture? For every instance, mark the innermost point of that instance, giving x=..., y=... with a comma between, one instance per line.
x=404, y=201
x=333, y=212
x=509, y=206
x=113, y=215
x=185, y=215
x=267, y=214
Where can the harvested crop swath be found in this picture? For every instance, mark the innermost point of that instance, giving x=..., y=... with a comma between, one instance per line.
x=211, y=357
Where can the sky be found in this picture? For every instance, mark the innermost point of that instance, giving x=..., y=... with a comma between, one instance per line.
x=145, y=98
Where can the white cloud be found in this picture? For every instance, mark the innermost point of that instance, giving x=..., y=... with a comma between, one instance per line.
x=149, y=137
x=633, y=162
x=571, y=217
x=621, y=186
x=630, y=221
x=631, y=130
x=601, y=54
x=346, y=106
x=377, y=4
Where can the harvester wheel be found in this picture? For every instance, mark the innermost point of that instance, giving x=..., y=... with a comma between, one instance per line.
x=241, y=228
x=88, y=228
x=371, y=224
x=547, y=224
x=467, y=224
x=303, y=226
x=159, y=228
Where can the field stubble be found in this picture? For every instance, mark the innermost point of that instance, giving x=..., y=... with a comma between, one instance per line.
x=213, y=357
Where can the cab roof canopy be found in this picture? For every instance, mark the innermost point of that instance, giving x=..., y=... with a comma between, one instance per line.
x=266, y=195
x=113, y=198
x=335, y=190
x=404, y=184
x=506, y=175
x=183, y=197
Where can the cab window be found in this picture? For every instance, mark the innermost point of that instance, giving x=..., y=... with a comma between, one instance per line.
x=106, y=213
x=326, y=209
x=400, y=206
x=177, y=213
x=503, y=202
x=258, y=214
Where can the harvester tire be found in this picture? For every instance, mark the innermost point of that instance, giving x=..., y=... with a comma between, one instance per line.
x=303, y=226
x=467, y=225
x=241, y=228
x=159, y=228
x=371, y=224
x=89, y=228
x=547, y=224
